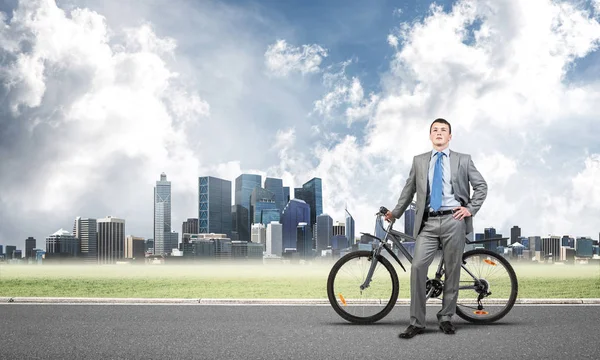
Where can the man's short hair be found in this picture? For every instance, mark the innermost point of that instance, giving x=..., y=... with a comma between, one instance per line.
x=441, y=121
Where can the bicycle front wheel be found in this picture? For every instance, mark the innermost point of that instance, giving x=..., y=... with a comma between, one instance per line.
x=488, y=287
x=344, y=288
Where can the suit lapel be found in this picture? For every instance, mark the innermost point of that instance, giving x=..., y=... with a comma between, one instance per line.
x=453, y=166
x=424, y=178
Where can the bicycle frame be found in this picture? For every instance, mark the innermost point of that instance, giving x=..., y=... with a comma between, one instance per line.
x=396, y=238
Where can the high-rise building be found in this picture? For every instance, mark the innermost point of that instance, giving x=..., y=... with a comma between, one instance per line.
x=286, y=195
x=214, y=206
x=134, y=247
x=490, y=233
x=274, y=238
x=259, y=234
x=339, y=242
x=515, y=234
x=162, y=214
x=584, y=247
x=567, y=241
x=239, y=215
x=270, y=215
x=10, y=249
x=1, y=250
x=172, y=239
x=150, y=246
x=312, y=193
x=409, y=219
x=339, y=228
x=111, y=240
x=551, y=248
x=190, y=226
x=275, y=186
x=86, y=230
x=350, y=230
x=295, y=212
x=324, y=232
x=244, y=185
x=304, y=241
x=261, y=199
x=29, y=246
x=62, y=243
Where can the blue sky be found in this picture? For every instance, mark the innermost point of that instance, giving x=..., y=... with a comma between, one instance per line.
x=100, y=97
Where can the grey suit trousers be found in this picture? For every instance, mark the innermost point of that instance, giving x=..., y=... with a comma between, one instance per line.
x=450, y=233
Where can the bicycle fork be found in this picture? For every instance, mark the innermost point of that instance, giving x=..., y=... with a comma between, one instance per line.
x=374, y=256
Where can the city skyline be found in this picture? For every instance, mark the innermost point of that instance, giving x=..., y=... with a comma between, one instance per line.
x=399, y=225
x=112, y=94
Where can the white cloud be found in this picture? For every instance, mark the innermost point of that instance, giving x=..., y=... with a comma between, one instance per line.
x=282, y=59
x=347, y=94
x=108, y=108
x=116, y=112
x=393, y=40
x=503, y=87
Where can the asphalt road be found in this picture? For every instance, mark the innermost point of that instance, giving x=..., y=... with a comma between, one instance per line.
x=285, y=332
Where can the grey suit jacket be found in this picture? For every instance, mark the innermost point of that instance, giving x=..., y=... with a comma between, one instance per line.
x=463, y=172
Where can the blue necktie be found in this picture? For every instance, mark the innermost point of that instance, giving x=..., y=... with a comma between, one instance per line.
x=436, y=187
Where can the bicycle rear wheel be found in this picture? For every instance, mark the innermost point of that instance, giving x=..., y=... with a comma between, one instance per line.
x=362, y=306
x=488, y=290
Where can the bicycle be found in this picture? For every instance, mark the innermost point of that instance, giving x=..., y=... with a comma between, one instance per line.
x=363, y=286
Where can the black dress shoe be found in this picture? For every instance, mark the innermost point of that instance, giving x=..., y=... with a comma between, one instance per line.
x=447, y=327
x=410, y=332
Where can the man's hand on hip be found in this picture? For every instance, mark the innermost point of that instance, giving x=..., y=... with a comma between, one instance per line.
x=461, y=212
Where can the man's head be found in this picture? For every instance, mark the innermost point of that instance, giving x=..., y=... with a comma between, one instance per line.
x=440, y=133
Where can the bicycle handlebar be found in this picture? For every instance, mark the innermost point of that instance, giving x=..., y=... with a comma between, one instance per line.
x=382, y=211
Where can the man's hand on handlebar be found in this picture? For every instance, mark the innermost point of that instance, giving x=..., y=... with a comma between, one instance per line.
x=389, y=216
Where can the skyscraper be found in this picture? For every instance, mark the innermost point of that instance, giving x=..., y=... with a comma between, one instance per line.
x=10, y=249
x=295, y=212
x=270, y=215
x=274, y=239
x=339, y=228
x=261, y=199
x=350, y=232
x=29, y=246
x=324, y=232
x=62, y=243
x=490, y=233
x=111, y=240
x=409, y=219
x=162, y=214
x=515, y=234
x=214, y=206
x=259, y=234
x=304, y=241
x=171, y=241
x=286, y=195
x=244, y=185
x=312, y=193
x=134, y=247
x=86, y=231
x=550, y=247
x=190, y=226
x=275, y=186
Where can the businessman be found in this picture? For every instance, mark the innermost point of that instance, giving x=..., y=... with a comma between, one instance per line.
x=444, y=212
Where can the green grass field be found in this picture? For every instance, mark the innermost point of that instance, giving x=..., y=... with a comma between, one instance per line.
x=237, y=281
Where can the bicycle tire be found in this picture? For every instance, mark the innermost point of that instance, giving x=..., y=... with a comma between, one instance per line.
x=483, y=318
x=355, y=318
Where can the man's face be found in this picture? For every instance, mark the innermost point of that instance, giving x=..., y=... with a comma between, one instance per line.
x=440, y=135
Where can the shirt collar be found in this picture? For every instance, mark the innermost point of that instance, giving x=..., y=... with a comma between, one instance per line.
x=445, y=151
